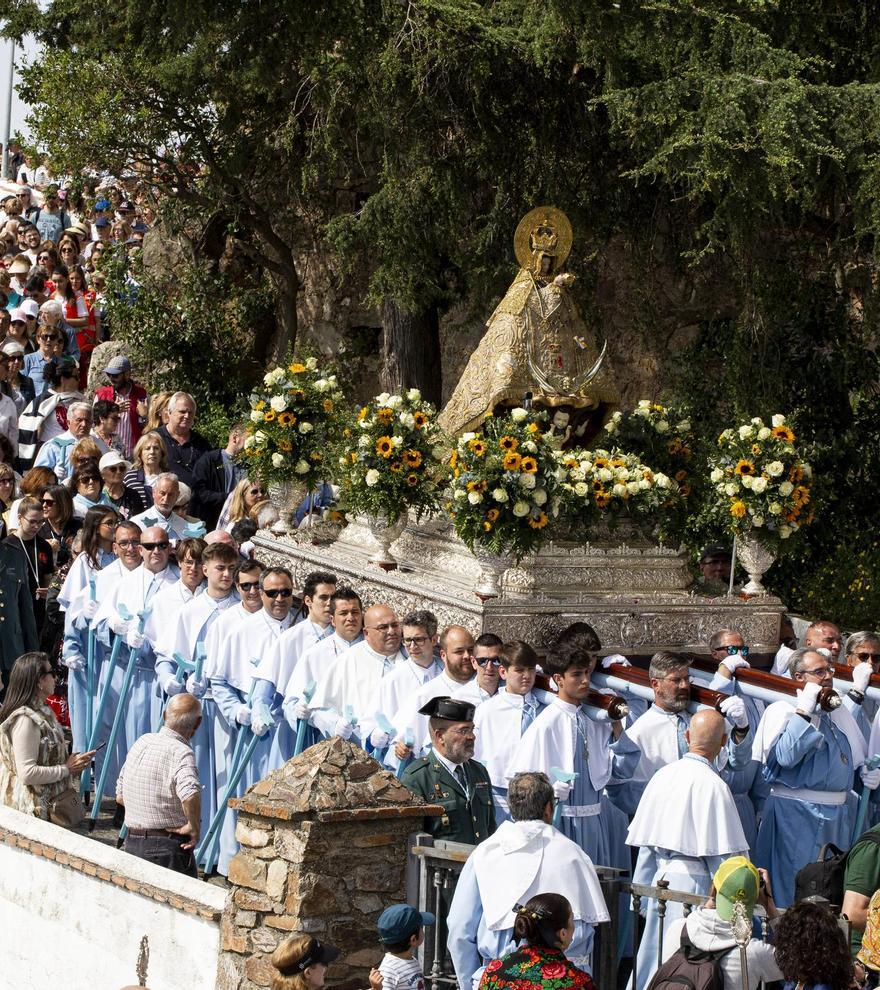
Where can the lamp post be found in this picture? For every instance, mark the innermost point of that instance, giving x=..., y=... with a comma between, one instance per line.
x=7, y=120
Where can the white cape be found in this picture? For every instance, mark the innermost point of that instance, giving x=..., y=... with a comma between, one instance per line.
x=522, y=859
x=776, y=715
x=236, y=656
x=687, y=808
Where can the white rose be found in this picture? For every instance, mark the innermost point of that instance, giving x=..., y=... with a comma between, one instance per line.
x=559, y=474
x=302, y=467
x=268, y=378
x=249, y=442
x=731, y=489
x=746, y=481
x=278, y=403
x=775, y=468
x=521, y=509
x=518, y=415
x=372, y=478
x=322, y=385
x=581, y=489
x=775, y=509
x=759, y=485
x=745, y=432
x=716, y=476
x=632, y=487
x=643, y=411
x=312, y=363
x=414, y=395
x=397, y=441
x=619, y=490
x=527, y=481
x=684, y=426
x=530, y=446
x=778, y=420
x=305, y=427
x=539, y=496
x=500, y=495
x=784, y=532
x=605, y=474
x=382, y=400
x=256, y=416
x=458, y=494
x=475, y=498
x=662, y=426
x=764, y=433
x=662, y=481
x=277, y=460
x=622, y=474
x=260, y=436
x=758, y=521
x=407, y=419
x=644, y=484
x=786, y=488
x=644, y=404
x=465, y=437
x=757, y=421
x=394, y=401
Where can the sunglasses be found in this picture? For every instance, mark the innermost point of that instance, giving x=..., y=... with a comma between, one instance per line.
x=733, y=650
x=255, y=491
x=274, y=593
x=115, y=467
x=8, y=481
x=865, y=657
x=249, y=585
x=164, y=545
x=48, y=339
x=16, y=357
x=483, y=661
x=47, y=501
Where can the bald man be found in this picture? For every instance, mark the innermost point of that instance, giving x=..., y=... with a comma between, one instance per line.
x=347, y=696
x=160, y=790
x=685, y=848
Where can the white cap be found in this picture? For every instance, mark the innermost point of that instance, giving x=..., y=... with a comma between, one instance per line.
x=111, y=458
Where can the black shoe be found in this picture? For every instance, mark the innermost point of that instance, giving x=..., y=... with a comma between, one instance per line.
x=119, y=816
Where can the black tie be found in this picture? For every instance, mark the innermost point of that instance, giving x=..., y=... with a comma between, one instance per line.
x=461, y=777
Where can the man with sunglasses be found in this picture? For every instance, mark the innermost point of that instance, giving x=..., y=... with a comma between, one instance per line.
x=487, y=669
x=810, y=760
x=347, y=697
x=862, y=653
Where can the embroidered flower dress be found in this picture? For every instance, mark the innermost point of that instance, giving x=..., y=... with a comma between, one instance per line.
x=534, y=966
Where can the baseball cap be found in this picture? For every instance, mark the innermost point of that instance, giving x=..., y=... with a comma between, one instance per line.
x=736, y=881
x=316, y=952
x=102, y=222
x=118, y=365
x=714, y=550
x=400, y=921
x=17, y=315
x=126, y=206
x=12, y=347
x=111, y=459
x=30, y=307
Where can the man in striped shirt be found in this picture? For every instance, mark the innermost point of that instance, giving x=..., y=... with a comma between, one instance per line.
x=159, y=787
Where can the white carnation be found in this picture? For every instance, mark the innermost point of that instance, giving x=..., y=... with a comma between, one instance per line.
x=382, y=400
x=662, y=481
x=518, y=415
x=256, y=416
x=407, y=419
x=775, y=509
x=322, y=385
x=605, y=474
x=775, y=468
x=397, y=441
x=305, y=427
x=632, y=487
x=458, y=494
x=662, y=426
x=619, y=490
x=475, y=498
x=758, y=521
x=759, y=485
x=716, y=476
x=731, y=489
x=764, y=433
x=372, y=478
x=277, y=460
x=745, y=432
x=394, y=401
x=757, y=421
x=521, y=509
x=539, y=496
x=530, y=447
x=302, y=467
x=500, y=495
x=778, y=420
x=746, y=481
x=414, y=395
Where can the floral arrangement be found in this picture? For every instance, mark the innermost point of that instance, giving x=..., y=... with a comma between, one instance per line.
x=506, y=484
x=762, y=481
x=393, y=457
x=292, y=421
x=605, y=484
x=662, y=436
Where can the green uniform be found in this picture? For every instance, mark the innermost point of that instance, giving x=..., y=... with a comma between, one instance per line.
x=468, y=818
x=18, y=629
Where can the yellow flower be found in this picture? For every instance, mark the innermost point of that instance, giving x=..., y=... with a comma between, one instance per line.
x=453, y=458
x=384, y=415
x=493, y=514
x=412, y=479
x=487, y=526
x=617, y=462
x=316, y=455
x=796, y=474
x=532, y=428
x=412, y=458
x=601, y=498
x=296, y=369
x=756, y=449
x=269, y=415
x=286, y=419
x=738, y=509
x=783, y=433
x=353, y=455
x=420, y=418
x=744, y=467
x=600, y=462
x=260, y=405
x=396, y=466
x=285, y=445
x=674, y=447
x=362, y=415
x=328, y=405
x=384, y=446
x=477, y=446
x=297, y=393
x=477, y=486
x=508, y=443
x=529, y=465
x=801, y=495
x=540, y=522
x=511, y=462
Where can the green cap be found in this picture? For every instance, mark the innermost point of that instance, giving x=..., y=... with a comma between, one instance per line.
x=736, y=880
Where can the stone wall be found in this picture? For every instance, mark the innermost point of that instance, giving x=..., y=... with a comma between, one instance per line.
x=323, y=852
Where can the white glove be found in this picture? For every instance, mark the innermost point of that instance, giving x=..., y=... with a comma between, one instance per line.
x=301, y=710
x=90, y=610
x=617, y=658
x=343, y=728
x=60, y=473
x=171, y=685
x=871, y=778
x=862, y=677
x=134, y=637
x=118, y=624
x=734, y=710
x=74, y=662
x=196, y=688
x=736, y=661
x=243, y=715
x=380, y=739
x=261, y=720
x=808, y=698
x=562, y=788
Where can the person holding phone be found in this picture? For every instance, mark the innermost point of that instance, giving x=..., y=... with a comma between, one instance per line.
x=35, y=768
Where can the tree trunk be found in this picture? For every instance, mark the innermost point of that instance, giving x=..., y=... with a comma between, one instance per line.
x=285, y=338
x=411, y=350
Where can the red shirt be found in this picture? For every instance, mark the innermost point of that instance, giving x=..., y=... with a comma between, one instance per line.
x=130, y=427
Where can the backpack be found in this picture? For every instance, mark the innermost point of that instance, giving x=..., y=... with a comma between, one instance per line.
x=690, y=968
x=824, y=878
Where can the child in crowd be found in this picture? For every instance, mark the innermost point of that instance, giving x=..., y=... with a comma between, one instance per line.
x=402, y=931
x=302, y=962
x=500, y=722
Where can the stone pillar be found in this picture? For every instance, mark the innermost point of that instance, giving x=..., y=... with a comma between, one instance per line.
x=323, y=851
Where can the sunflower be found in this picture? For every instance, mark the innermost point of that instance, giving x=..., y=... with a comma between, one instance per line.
x=529, y=465
x=362, y=415
x=532, y=428
x=598, y=486
x=648, y=474
x=384, y=446
x=477, y=486
x=540, y=522
x=328, y=405
x=269, y=415
x=601, y=498
x=296, y=369
x=396, y=466
x=792, y=514
x=600, y=462
x=508, y=443
x=756, y=449
x=570, y=462
x=744, y=467
x=674, y=447
x=796, y=474
x=738, y=509
x=412, y=479
x=287, y=419
x=297, y=393
x=493, y=514
x=412, y=458
x=285, y=446
x=420, y=419
x=783, y=433
x=453, y=459
x=801, y=495
x=384, y=415
x=617, y=462
x=511, y=462
x=681, y=475
x=316, y=455
x=260, y=406
x=477, y=446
